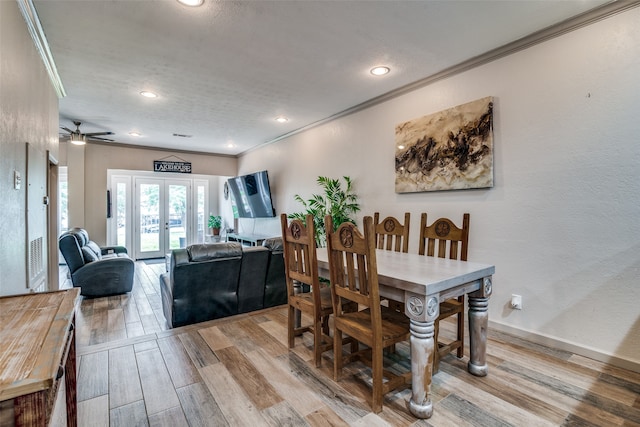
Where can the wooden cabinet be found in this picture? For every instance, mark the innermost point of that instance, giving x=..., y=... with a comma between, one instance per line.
x=37, y=349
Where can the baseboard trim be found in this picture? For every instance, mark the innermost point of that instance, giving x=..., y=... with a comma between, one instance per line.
x=620, y=362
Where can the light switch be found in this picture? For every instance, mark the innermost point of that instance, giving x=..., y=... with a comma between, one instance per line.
x=17, y=180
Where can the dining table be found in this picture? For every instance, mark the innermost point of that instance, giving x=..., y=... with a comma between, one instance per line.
x=422, y=282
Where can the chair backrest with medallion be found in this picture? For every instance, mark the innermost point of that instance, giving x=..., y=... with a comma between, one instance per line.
x=391, y=234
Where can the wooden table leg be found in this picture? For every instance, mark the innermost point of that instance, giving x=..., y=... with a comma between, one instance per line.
x=478, y=321
x=422, y=351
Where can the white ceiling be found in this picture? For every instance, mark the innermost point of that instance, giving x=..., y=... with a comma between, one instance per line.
x=226, y=69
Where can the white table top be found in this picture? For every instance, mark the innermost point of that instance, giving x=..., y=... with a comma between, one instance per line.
x=420, y=274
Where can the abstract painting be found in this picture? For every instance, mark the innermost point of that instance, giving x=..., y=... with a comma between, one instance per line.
x=448, y=150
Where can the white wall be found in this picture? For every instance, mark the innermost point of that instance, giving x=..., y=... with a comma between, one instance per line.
x=562, y=223
x=28, y=113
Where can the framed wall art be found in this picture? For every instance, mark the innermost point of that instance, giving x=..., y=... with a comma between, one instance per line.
x=448, y=150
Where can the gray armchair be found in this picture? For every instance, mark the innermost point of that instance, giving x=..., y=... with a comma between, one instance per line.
x=97, y=271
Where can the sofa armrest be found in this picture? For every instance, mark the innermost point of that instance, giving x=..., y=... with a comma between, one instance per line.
x=106, y=250
x=179, y=257
x=167, y=298
x=105, y=277
x=274, y=244
x=275, y=289
x=201, y=290
x=252, y=274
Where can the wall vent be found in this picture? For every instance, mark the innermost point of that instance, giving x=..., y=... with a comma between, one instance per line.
x=36, y=264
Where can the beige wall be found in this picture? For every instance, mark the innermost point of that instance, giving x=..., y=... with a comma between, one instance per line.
x=87, y=200
x=561, y=224
x=28, y=113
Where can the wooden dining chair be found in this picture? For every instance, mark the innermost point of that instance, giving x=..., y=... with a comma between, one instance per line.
x=391, y=234
x=354, y=277
x=446, y=240
x=301, y=266
x=301, y=272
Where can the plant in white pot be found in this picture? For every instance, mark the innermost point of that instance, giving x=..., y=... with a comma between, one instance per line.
x=215, y=222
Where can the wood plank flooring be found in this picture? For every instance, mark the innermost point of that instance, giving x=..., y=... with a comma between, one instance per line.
x=118, y=317
x=238, y=371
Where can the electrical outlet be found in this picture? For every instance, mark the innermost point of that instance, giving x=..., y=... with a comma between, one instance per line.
x=516, y=302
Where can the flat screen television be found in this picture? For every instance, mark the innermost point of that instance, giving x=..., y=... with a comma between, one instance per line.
x=252, y=195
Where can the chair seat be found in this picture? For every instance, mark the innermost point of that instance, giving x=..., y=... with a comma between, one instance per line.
x=325, y=298
x=306, y=298
x=395, y=326
x=450, y=307
x=395, y=317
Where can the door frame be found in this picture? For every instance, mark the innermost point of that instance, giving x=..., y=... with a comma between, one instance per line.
x=208, y=182
x=136, y=226
x=52, y=221
x=164, y=213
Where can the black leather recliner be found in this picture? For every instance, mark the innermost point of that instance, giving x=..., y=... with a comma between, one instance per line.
x=202, y=283
x=97, y=271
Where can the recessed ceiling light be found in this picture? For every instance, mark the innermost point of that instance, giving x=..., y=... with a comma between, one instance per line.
x=400, y=147
x=135, y=134
x=148, y=94
x=230, y=145
x=192, y=3
x=380, y=71
x=282, y=119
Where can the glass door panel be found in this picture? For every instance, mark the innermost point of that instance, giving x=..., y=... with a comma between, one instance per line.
x=152, y=216
x=121, y=214
x=162, y=212
x=177, y=207
x=200, y=211
x=150, y=242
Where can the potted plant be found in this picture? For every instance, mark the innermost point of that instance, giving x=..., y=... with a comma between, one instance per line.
x=215, y=222
x=340, y=203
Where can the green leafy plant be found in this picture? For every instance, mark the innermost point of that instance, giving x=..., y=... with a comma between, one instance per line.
x=215, y=222
x=340, y=203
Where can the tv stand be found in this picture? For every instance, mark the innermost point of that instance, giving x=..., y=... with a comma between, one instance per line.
x=246, y=238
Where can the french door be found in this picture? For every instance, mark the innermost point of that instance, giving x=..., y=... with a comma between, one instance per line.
x=161, y=214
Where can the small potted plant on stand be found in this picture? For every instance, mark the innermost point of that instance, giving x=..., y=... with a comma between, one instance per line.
x=215, y=222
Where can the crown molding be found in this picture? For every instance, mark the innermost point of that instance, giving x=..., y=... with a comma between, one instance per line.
x=30, y=16
x=147, y=148
x=589, y=17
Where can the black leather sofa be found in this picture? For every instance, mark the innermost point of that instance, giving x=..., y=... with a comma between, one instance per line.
x=210, y=281
x=97, y=271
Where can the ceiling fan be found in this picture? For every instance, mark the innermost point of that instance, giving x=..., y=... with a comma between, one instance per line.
x=79, y=138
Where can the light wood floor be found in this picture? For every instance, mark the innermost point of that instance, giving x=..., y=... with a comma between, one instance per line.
x=117, y=317
x=239, y=372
